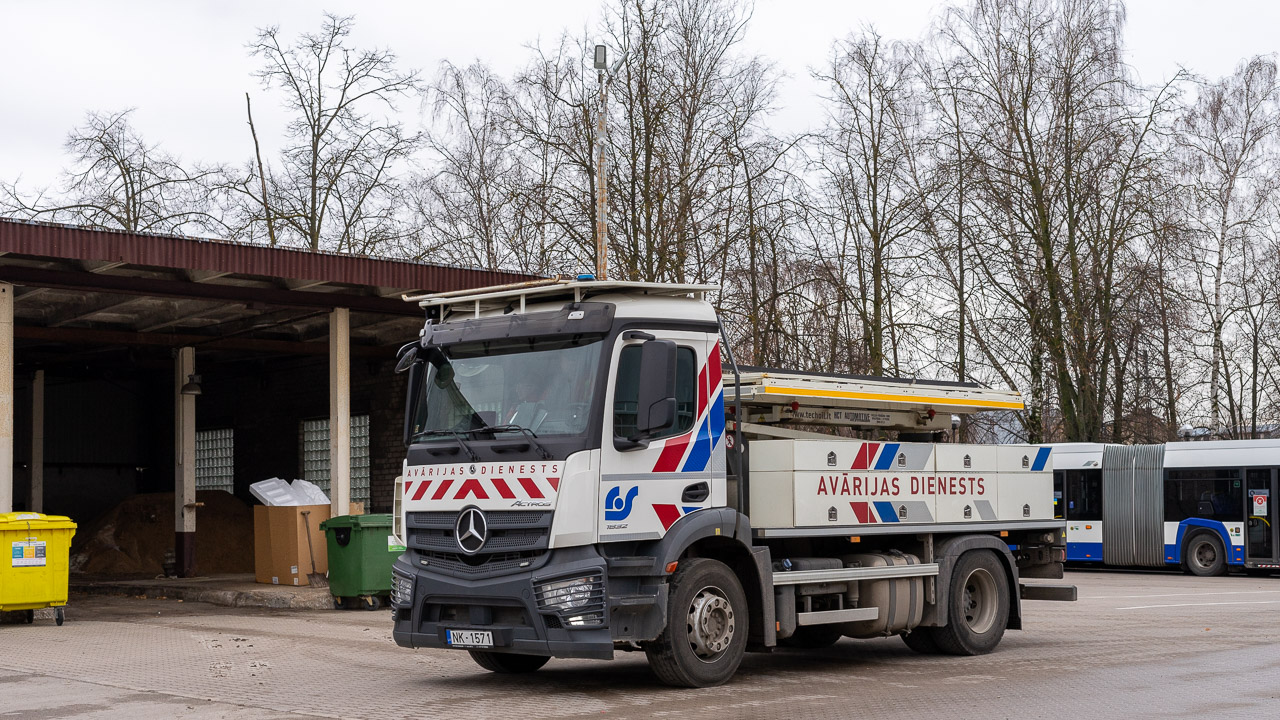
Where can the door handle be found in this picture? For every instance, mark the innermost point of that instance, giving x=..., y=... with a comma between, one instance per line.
x=695, y=493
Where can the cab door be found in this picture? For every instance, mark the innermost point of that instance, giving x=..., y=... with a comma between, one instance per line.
x=1262, y=532
x=646, y=487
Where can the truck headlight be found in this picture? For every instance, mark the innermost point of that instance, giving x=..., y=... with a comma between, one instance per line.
x=564, y=595
x=578, y=601
x=401, y=590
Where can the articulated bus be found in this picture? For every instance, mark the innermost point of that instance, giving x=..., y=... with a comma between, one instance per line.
x=1204, y=506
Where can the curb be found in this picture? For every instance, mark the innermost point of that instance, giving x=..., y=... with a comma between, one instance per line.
x=225, y=598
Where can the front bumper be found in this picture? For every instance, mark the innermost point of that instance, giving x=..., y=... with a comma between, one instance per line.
x=504, y=605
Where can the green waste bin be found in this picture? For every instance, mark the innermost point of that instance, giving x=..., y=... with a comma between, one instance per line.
x=360, y=557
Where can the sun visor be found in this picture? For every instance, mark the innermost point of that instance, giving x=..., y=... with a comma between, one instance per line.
x=572, y=319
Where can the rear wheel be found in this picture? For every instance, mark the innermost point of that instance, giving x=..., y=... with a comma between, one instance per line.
x=508, y=663
x=978, y=608
x=1205, y=556
x=922, y=641
x=706, y=633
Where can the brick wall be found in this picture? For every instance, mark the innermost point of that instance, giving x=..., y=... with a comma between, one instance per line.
x=382, y=395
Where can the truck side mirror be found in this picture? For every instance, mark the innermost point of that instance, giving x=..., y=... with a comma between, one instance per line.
x=656, y=394
x=406, y=356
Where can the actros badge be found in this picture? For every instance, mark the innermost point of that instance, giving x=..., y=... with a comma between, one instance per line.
x=471, y=530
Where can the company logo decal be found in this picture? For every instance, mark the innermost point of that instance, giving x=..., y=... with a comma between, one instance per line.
x=616, y=507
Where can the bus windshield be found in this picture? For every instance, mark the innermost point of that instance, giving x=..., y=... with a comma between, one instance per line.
x=544, y=385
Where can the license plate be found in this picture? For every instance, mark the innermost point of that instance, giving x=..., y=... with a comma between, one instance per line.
x=471, y=638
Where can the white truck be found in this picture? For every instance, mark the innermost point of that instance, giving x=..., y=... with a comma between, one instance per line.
x=586, y=473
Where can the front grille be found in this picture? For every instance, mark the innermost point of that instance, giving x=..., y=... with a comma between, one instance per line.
x=510, y=531
x=480, y=564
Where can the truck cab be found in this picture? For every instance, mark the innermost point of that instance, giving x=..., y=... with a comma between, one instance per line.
x=576, y=483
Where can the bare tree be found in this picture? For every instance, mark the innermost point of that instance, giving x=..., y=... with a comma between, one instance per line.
x=1227, y=138
x=336, y=185
x=865, y=162
x=117, y=180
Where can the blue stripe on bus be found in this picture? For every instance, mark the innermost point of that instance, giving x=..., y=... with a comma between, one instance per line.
x=1042, y=457
x=887, y=454
x=1084, y=552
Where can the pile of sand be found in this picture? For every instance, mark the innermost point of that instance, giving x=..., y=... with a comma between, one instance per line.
x=134, y=536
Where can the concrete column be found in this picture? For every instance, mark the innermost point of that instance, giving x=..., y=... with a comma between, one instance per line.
x=184, y=465
x=340, y=411
x=37, y=442
x=6, y=397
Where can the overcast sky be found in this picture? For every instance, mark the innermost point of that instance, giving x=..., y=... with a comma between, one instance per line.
x=184, y=67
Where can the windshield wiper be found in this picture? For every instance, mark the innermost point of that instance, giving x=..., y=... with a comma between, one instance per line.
x=512, y=427
x=453, y=434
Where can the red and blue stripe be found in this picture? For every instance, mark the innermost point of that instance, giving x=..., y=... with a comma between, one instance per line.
x=692, y=451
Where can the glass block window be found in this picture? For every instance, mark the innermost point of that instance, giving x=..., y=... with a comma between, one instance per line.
x=313, y=436
x=215, y=459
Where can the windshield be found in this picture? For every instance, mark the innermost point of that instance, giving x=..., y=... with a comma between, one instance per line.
x=543, y=385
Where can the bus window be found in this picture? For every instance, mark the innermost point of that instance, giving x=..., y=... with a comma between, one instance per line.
x=1209, y=493
x=1083, y=494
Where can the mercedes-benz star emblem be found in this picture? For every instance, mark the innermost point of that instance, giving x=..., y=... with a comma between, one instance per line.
x=471, y=530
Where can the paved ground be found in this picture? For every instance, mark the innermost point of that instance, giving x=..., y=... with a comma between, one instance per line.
x=1136, y=645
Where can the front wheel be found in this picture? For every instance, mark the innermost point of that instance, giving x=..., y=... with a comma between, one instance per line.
x=706, y=633
x=1205, y=556
x=508, y=663
x=978, y=606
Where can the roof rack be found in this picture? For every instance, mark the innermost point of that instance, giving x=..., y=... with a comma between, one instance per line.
x=517, y=295
x=779, y=396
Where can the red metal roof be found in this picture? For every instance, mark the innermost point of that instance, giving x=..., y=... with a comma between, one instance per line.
x=70, y=242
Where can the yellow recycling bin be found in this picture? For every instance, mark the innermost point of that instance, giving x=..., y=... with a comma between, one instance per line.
x=34, y=551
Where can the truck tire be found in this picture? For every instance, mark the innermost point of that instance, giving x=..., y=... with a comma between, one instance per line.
x=978, y=606
x=922, y=641
x=508, y=663
x=813, y=637
x=1204, y=555
x=706, y=633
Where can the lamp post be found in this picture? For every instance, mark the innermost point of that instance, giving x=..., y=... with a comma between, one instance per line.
x=602, y=196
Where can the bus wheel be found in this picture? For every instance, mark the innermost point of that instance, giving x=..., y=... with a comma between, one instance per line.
x=978, y=609
x=706, y=633
x=1205, y=555
x=508, y=662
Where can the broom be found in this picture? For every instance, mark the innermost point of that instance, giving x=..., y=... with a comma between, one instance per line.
x=314, y=578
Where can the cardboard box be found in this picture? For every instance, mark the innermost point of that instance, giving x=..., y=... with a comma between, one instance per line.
x=280, y=554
